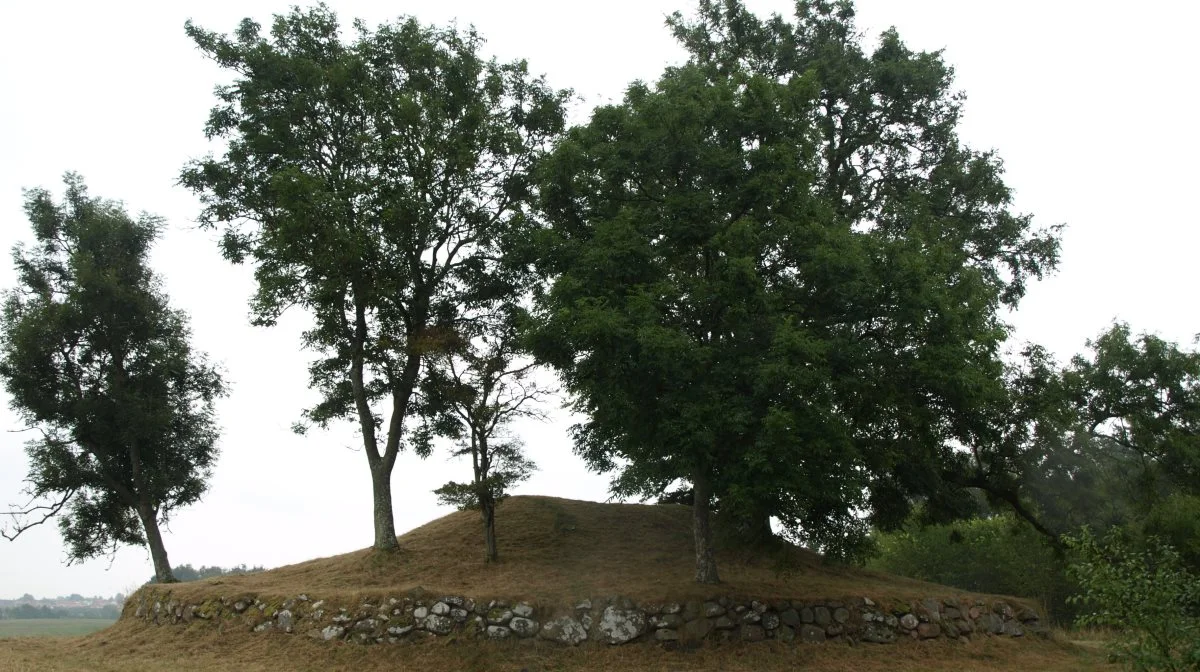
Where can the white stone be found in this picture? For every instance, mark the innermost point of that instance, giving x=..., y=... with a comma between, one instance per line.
x=621, y=625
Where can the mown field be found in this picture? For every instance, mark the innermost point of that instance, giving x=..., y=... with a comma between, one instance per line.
x=51, y=627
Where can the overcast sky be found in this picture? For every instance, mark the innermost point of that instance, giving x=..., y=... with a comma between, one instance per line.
x=1088, y=103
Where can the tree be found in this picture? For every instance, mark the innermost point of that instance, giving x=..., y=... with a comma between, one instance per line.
x=776, y=274
x=370, y=183
x=99, y=365
x=1112, y=438
x=473, y=393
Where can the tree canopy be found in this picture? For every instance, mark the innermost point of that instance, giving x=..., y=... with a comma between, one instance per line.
x=99, y=366
x=777, y=274
x=371, y=183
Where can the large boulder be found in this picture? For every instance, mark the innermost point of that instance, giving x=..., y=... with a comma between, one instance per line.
x=564, y=629
x=619, y=625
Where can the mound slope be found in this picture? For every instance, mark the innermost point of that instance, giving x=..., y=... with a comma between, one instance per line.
x=557, y=550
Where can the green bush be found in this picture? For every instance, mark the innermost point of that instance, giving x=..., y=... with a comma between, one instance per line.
x=988, y=555
x=1145, y=592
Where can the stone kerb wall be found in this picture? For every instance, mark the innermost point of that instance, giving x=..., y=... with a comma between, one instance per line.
x=613, y=620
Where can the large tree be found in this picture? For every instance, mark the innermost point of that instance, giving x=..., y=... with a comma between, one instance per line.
x=371, y=183
x=776, y=274
x=99, y=365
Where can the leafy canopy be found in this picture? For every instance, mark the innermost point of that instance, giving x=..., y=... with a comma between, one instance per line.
x=99, y=365
x=778, y=266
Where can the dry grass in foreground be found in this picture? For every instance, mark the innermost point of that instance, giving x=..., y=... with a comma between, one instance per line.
x=556, y=550
x=131, y=647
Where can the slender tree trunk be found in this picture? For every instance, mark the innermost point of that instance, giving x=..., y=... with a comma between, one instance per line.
x=381, y=493
x=488, y=510
x=706, y=562
x=158, y=552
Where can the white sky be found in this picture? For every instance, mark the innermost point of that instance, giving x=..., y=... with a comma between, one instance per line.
x=1088, y=103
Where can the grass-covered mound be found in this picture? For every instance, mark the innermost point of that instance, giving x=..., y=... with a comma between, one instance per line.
x=558, y=550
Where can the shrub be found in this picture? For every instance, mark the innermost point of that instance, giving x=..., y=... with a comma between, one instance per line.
x=1145, y=592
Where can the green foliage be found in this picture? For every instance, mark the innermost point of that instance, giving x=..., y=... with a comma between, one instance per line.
x=1145, y=593
x=999, y=555
x=374, y=183
x=1110, y=439
x=184, y=573
x=777, y=269
x=99, y=366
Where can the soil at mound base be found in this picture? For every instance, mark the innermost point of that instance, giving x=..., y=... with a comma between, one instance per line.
x=558, y=550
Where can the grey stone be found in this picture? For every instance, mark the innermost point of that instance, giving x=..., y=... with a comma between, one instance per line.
x=262, y=626
x=822, y=616
x=696, y=630
x=621, y=625
x=785, y=634
x=399, y=630
x=758, y=606
x=459, y=614
x=283, y=619
x=713, y=609
x=523, y=610
x=877, y=634
x=238, y=606
x=811, y=633
x=723, y=623
x=672, y=608
x=806, y=615
x=440, y=608
x=1013, y=629
x=751, y=617
x=951, y=613
x=666, y=635
x=770, y=620
x=753, y=633
x=585, y=604
x=932, y=608
x=333, y=632
x=498, y=632
x=342, y=618
x=908, y=622
x=564, y=629
x=841, y=614
x=523, y=627
x=499, y=615
x=929, y=630
x=420, y=612
x=666, y=621
x=365, y=625
x=991, y=623
x=835, y=630
x=790, y=617
x=441, y=625
x=693, y=610
x=949, y=629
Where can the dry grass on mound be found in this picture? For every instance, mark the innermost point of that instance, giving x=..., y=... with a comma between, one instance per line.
x=557, y=550
x=132, y=647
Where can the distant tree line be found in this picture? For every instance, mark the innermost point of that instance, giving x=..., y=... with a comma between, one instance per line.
x=108, y=612
x=184, y=573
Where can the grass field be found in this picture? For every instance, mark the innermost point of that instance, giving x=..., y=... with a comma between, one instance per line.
x=51, y=627
x=132, y=647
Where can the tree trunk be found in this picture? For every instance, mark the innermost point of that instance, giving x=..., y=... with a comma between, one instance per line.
x=487, y=507
x=706, y=562
x=158, y=552
x=381, y=492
